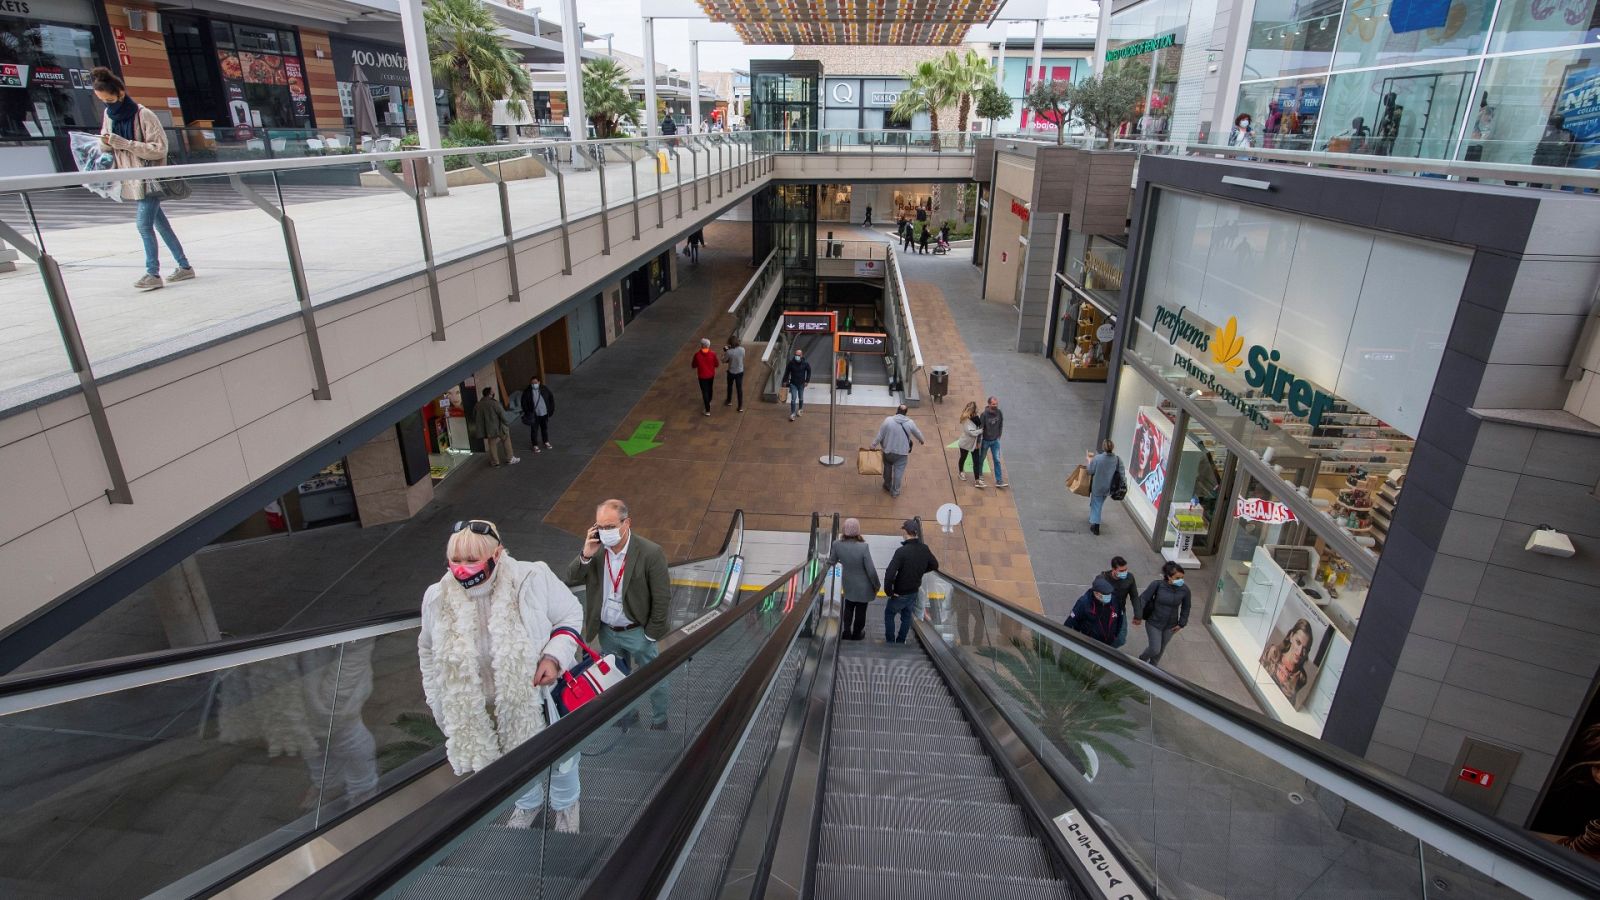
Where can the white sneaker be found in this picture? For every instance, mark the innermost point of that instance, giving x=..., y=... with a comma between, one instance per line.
x=961, y=475
x=547, y=446
x=791, y=417
x=522, y=818
x=567, y=820
x=515, y=460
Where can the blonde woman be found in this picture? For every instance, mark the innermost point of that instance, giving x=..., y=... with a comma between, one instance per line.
x=971, y=434
x=487, y=652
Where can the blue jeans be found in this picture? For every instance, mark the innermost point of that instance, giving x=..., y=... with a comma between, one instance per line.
x=894, y=472
x=633, y=650
x=1096, y=501
x=151, y=221
x=902, y=605
x=797, y=398
x=992, y=448
x=564, y=787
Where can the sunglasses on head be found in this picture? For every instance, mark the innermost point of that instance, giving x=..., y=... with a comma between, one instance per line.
x=477, y=526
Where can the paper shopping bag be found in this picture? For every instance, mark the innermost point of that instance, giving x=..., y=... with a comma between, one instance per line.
x=869, y=462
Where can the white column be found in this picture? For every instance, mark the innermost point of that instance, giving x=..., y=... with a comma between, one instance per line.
x=572, y=65
x=652, y=126
x=1038, y=50
x=1102, y=40
x=1000, y=65
x=694, y=85
x=416, y=41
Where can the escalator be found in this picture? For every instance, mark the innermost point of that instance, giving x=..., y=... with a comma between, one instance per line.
x=995, y=755
x=181, y=772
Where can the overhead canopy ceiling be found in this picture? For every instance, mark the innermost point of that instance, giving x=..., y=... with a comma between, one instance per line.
x=918, y=22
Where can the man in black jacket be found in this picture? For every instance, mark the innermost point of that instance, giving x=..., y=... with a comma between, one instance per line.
x=903, y=579
x=1124, y=590
x=994, y=425
x=796, y=375
x=538, y=405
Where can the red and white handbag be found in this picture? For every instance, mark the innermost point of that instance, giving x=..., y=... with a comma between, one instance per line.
x=591, y=677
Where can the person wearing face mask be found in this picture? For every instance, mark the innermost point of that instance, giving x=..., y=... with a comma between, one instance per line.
x=1241, y=135
x=1124, y=592
x=627, y=594
x=1097, y=615
x=1164, y=607
x=538, y=405
x=136, y=139
x=487, y=646
x=796, y=375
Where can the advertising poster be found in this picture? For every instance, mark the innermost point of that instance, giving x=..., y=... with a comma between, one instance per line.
x=1147, y=459
x=1579, y=106
x=13, y=76
x=1296, y=647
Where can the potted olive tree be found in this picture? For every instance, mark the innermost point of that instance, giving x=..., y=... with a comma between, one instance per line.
x=1105, y=102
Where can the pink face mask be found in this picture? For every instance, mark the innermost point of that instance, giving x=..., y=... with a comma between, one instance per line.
x=462, y=572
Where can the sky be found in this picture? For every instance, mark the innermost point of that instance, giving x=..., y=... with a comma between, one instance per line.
x=672, y=36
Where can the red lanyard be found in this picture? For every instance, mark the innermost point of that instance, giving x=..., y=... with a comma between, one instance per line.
x=616, y=583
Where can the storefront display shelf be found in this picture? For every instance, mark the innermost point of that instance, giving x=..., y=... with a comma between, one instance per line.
x=1243, y=651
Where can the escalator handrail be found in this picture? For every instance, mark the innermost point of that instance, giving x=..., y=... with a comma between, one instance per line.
x=1535, y=867
x=63, y=684
x=643, y=859
x=378, y=863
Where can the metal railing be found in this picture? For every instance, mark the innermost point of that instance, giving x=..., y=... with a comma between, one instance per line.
x=907, y=354
x=748, y=304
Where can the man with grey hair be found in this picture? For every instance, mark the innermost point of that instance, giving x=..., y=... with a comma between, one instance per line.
x=627, y=592
x=894, y=437
x=705, y=365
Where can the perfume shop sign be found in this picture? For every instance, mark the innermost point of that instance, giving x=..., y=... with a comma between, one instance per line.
x=1265, y=370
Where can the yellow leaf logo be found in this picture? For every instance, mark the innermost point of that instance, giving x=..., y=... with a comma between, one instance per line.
x=1227, y=345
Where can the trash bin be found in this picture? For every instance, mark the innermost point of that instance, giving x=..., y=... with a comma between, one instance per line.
x=939, y=382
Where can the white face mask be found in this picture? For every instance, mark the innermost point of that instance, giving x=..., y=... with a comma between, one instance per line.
x=610, y=537
x=1244, y=124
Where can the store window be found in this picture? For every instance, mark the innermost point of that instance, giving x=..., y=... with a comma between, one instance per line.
x=1284, y=113
x=1411, y=111
x=46, y=52
x=240, y=74
x=1090, y=293
x=1387, y=32
x=1291, y=38
x=1146, y=42
x=1286, y=608
x=1539, y=109
x=1141, y=431
x=1544, y=24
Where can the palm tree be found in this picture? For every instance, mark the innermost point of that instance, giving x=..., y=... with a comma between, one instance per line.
x=464, y=43
x=607, y=100
x=930, y=88
x=1075, y=703
x=969, y=75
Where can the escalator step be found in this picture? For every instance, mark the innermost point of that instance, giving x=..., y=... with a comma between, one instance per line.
x=837, y=882
x=468, y=884
x=914, y=814
x=889, y=741
x=958, y=855
x=902, y=725
x=930, y=765
x=894, y=780
x=888, y=709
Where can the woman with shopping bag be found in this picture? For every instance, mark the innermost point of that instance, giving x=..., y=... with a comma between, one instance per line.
x=496, y=634
x=137, y=139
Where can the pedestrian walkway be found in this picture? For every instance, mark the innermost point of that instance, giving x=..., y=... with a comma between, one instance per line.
x=702, y=469
x=362, y=238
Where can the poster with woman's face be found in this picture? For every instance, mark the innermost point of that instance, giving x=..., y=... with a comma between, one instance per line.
x=1147, y=459
x=1296, y=648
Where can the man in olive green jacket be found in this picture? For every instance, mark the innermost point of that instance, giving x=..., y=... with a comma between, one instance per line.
x=490, y=418
x=627, y=592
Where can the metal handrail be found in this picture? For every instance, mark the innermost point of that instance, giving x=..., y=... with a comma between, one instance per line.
x=1535, y=868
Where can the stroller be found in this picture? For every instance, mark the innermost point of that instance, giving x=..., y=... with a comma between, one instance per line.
x=942, y=246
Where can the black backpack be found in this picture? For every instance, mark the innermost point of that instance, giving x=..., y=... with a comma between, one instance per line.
x=1119, y=485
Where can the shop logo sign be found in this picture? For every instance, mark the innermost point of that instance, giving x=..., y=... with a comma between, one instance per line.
x=1255, y=509
x=1265, y=374
x=1140, y=48
x=1021, y=211
x=1225, y=352
x=1179, y=330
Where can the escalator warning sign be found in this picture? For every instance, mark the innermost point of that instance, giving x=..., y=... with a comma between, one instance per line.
x=1105, y=870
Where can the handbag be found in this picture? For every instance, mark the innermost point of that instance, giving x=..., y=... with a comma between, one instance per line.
x=1078, y=482
x=590, y=678
x=1119, y=484
x=869, y=461
x=167, y=188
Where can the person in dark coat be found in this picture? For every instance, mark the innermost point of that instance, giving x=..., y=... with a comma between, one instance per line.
x=796, y=375
x=923, y=239
x=1164, y=610
x=907, y=235
x=1096, y=615
x=538, y=405
x=902, y=581
x=1124, y=594
x=858, y=576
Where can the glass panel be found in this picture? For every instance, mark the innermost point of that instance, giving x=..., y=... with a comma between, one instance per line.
x=1412, y=111
x=1197, y=810
x=33, y=358
x=120, y=795
x=340, y=259
x=1283, y=114
x=1288, y=37
x=1385, y=32
x=1537, y=110
x=1533, y=26
x=1141, y=431
x=1196, y=492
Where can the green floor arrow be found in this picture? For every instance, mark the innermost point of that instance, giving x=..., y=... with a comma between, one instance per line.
x=643, y=438
x=967, y=465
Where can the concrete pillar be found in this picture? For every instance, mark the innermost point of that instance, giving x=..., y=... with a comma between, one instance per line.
x=572, y=65
x=694, y=85
x=652, y=124
x=416, y=41
x=1102, y=37
x=378, y=480
x=1038, y=49
x=184, y=606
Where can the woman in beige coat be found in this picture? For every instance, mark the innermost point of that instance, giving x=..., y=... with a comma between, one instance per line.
x=137, y=139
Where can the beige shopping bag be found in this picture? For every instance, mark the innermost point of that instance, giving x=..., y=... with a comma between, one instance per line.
x=1078, y=482
x=869, y=462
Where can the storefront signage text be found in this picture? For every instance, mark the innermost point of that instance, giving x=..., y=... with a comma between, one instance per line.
x=381, y=64
x=885, y=98
x=1020, y=210
x=861, y=342
x=1140, y=48
x=1264, y=373
x=17, y=7
x=808, y=322
x=1255, y=509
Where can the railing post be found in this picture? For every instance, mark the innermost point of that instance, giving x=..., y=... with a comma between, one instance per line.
x=661, y=199
x=566, y=232
x=505, y=225
x=419, y=195
x=677, y=166
x=722, y=170
x=633, y=177
x=694, y=160
x=605, y=213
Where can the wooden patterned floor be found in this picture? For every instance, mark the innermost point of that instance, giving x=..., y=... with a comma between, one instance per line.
x=681, y=493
